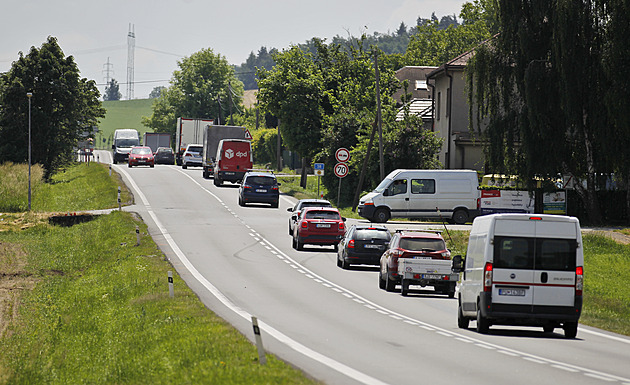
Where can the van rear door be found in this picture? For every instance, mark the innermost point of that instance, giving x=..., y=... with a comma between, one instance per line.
x=555, y=263
x=513, y=262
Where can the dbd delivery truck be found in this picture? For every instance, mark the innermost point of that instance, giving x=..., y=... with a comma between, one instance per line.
x=212, y=135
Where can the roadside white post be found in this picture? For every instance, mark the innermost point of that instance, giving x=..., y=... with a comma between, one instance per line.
x=171, y=291
x=262, y=358
x=137, y=235
x=119, y=201
x=110, y=170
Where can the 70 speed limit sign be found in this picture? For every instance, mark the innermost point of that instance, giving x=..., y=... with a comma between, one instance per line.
x=341, y=170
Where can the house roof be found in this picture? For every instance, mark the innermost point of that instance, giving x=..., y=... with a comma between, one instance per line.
x=419, y=107
x=457, y=64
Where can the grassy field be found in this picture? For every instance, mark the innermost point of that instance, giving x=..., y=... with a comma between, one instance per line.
x=123, y=114
x=84, y=304
x=14, y=186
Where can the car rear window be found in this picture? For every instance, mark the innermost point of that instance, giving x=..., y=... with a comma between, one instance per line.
x=261, y=180
x=316, y=204
x=369, y=234
x=195, y=149
x=316, y=214
x=419, y=244
x=530, y=253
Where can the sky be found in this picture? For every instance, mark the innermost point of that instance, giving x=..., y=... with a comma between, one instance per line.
x=96, y=33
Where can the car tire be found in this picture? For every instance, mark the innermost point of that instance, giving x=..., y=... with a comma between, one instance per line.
x=381, y=281
x=390, y=285
x=217, y=181
x=274, y=205
x=462, y=322
x=460, y=216
x=570, y=329
x=483, y=325
x=381, y=216
x=339, y=262
x=293, y=243
x=184, y=166
x=300, y=245
x=344, y=264
x=152, y=166
x=129, y=165
x=290, y=230
x=240, y=201
x=205, y=174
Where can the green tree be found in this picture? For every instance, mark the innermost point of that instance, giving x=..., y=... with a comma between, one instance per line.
x=112, y=91
x=204, y=86
x=540, y=85
x=156, y=92
x=63, y=105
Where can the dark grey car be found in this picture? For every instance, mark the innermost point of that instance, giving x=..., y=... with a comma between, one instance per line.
x=363, y=245
x=164, y=155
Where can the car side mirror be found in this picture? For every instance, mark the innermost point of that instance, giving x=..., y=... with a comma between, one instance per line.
x=279, y=184
x=113, y=146
x=457, y=264
x=290, y=209
x=343, y=219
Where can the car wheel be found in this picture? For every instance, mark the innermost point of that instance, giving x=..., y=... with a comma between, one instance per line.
x=153, y=165
x=274, y=205
x=381, y=215
x=290, y=230
x=217, y=181
x=381, y=281
x=184, y=166
x=205, y=174
x=129, y=165
x=483, y=325
x=344, y=264
x=460, y=216
x=293, y=243
x=300, y=245
x=570, y=329
x=240, y=201
x=462, y=322
x=390, y=285
x=339, y=262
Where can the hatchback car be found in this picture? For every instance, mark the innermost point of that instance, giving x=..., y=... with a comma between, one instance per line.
x=301, y=204
x=410, y=244
x=362, y=245
x=192, y=155
x=140, y=155
x=318, y=226
x=164, y=155
x=259, y=187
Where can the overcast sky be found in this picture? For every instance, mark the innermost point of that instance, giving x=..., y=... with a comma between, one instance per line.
x=166, y=31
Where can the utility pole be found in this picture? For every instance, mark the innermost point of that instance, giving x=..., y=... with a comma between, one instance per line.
x=378, y=116
x=131, y=47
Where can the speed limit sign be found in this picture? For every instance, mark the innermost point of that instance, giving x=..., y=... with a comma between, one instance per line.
x=341, y=170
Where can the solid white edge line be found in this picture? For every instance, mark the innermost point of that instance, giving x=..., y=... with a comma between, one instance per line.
x=279, y=336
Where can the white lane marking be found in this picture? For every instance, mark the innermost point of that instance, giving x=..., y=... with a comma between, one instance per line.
x=293, y=344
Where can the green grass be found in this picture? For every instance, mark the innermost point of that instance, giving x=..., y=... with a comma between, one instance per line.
x=100, y=313
x=123, y=114
x=14, y=186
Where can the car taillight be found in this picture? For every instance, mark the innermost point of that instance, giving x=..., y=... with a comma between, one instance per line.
x=351, y=244
x=246, y=186
x=274, y=188
x=579, y=280
x=487, y=277
x=304, y=224
x=341, y=226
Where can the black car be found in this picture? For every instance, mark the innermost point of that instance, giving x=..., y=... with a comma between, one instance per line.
x=300, y=205
x=259, y=187
x=164, y=155
x=362, y=244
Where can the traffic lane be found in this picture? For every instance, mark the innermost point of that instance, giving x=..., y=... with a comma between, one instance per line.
x=390, y=293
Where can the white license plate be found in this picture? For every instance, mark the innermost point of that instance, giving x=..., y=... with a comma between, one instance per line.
x=512, y=292
x=422, y=258
x=323, y=225
x=260, y=190
x=431, y=276
x=371, y=246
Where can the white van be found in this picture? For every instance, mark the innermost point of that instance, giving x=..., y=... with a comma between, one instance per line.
x=448, y=194
x=523, y=269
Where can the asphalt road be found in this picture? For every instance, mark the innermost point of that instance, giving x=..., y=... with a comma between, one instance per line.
x=335, y=324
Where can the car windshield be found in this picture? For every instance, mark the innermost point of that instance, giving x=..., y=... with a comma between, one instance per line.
x=316, y=214
x=315, y=204
x=141, y=151
x=371, y=234
x=420, y=244
x=261, y=180
x=126, y=142
x=383, y=185
x=195, y=149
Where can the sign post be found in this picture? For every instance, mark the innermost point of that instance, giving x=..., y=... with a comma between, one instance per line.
x=341, y=169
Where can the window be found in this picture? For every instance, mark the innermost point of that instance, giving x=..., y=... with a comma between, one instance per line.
x=530, y=253
x=322, y=215
x=367, y=234
x=419, y=244
x=261, y=180
x=421, y=85
x=423, y=186
x=513, y=253
x=439, y=105
x=555, y=254
x=398, y=187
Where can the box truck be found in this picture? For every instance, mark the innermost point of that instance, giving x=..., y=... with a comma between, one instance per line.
x=234, y=159
x=188, y=131
x=156, y=140
x=124, y=139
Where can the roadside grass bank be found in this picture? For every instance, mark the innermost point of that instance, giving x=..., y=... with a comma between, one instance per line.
x=14, y=186
x=606, y=271
x=84, y=304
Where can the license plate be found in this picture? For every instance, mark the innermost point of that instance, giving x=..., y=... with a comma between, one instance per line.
x=260, y=190
x=512, y=292
x=323, y=225
x=229, y=173
x=422, y=258
x=431, y=276
x=371, y=246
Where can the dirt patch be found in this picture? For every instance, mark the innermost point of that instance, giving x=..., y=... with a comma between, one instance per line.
x=615, y=236
x=14, y=280
x=21, y=221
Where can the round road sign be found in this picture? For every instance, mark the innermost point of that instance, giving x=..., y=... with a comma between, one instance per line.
x=341, y=170
x=342, y=155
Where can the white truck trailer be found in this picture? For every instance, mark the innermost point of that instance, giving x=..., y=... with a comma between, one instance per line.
x=212, y=135
x=188, y=131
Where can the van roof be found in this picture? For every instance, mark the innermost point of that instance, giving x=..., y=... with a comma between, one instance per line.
x=527, y=217
x=401, y=170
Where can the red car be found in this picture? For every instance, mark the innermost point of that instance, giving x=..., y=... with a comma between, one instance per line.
x=140, y=155
x=318, y=226
x=410, y=244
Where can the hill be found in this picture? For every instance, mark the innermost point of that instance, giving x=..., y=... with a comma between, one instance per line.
x=122, y=114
